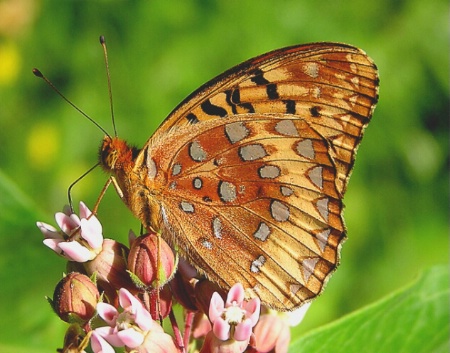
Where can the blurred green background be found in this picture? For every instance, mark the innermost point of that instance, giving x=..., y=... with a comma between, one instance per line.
x=160, y=51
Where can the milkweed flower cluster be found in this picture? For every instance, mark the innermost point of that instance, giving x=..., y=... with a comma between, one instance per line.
x=80, y=238
x=118, y=296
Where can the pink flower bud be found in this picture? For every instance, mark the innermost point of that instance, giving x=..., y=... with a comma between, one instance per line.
x=272, y=333
x=75, y=298
x=143, y=261
x=110, y=266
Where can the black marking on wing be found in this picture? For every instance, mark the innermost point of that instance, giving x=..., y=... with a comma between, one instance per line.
x=290, y=106
x=212, y=109
x=192, y=118
x=258, y=78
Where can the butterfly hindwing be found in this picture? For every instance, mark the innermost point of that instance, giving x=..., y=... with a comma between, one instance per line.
x=252, y=199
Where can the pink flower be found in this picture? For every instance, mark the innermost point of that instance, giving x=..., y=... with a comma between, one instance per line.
x=80, y=238
x=232, y=321
x=273, y=332
x=201, y=325
x=98, y=344
x=133, y=328
x=214, y=345
x=110, y=267
x=296, y=317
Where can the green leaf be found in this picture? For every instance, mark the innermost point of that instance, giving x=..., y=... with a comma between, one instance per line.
x=413, y=319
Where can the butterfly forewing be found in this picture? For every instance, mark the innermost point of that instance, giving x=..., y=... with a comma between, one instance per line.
x=246, y=176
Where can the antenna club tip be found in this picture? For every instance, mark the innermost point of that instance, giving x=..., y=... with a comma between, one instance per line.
x=102, y=40
x=37, y=73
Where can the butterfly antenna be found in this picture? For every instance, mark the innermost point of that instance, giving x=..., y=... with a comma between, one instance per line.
x=105, y=54
x=39, y=74
x=69, y=190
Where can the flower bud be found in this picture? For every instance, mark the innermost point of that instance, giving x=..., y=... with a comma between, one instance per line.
x=272, y=333
x=110, y=266
x=75, y=298
x=143, y=261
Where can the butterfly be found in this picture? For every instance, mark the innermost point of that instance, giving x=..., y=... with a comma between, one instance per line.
x=246, y=176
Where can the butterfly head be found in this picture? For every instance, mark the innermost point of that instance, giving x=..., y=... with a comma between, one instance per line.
x=115, y=154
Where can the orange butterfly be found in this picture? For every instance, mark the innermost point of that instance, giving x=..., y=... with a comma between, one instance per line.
x=246, y=176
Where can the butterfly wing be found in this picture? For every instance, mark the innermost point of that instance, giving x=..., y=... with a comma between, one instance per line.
x=250, y=170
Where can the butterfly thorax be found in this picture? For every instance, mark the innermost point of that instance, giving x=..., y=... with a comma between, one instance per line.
x=124, y=162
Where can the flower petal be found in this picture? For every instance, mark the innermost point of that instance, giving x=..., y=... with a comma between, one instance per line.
x=85, y=212
x=235, y=295
x=272, y=331
x=126, y=300
x=213, y=345
x=216, y=307
x=282, y=345
x=53, y=244
x=67, y=223
x=130, y=337
x=253, y=309
x=108, y=313
x=221, y=329
x=143, y=319
x=74, y=251
x=99, y=345
x=158, y=342
x=91, y=231
x=140, y=315
x=49, y=231
x=110, y=335
x=243, y=330
x=74, y=217
x=296, y=316
x=131, y=237
x=66, y=210
x=201, y=325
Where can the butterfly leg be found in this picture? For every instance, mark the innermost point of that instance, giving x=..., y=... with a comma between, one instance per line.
x=103, y=191
x=117, y=187
x=102, y=194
